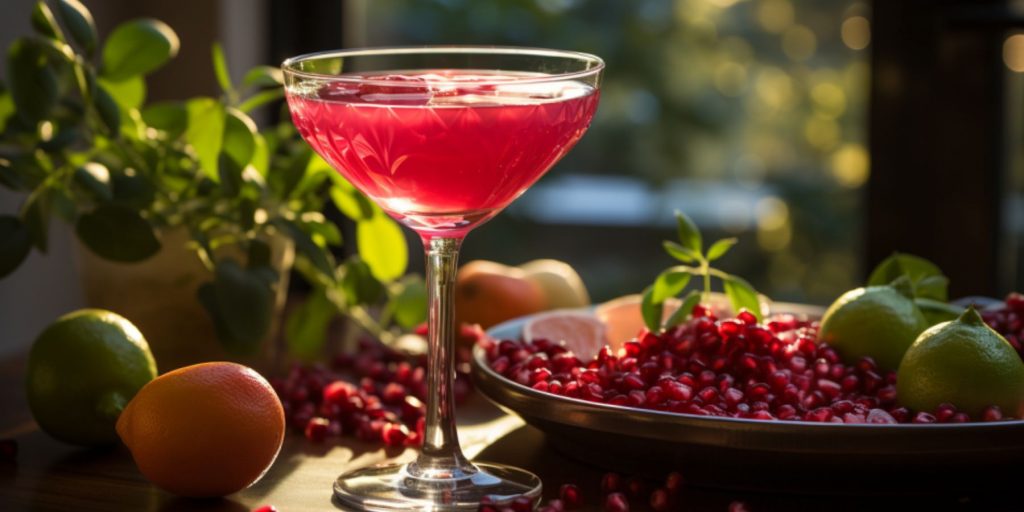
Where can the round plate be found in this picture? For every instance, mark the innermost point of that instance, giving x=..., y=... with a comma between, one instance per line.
x=775, y=455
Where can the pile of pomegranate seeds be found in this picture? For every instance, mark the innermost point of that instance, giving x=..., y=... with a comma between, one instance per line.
x=616, y=495
x=733, y=368
x=376, y=395
x=1008, y=320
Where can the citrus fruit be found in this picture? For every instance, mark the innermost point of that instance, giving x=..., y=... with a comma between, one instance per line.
x=204, y=430
x=488, y=293
x=581, y=333
x=82, y=370
x=876, y=321
x=963, y=362
x=562, y=286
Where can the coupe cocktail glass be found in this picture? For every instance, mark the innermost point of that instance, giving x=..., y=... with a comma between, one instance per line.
x=442, y=139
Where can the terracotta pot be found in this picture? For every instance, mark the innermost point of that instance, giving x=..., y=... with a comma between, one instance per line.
x=159, y=296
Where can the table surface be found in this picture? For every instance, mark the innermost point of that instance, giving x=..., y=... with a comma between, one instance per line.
x=51, y=476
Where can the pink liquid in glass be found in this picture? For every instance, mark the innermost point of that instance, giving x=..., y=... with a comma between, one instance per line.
x=439, y=150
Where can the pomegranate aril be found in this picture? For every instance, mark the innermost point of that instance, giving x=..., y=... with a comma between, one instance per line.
x=316, y=429
x=265, y=508
x=570, y=496
x=616, y=502
x=992, y=413
x=738, y=506
x=674, y=482
x=660, y=500
x=923, y=417
x=521, y=504
x=611, y=482
x=635, y=487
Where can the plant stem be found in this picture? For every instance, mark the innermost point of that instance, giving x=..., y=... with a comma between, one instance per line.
x=705, y=271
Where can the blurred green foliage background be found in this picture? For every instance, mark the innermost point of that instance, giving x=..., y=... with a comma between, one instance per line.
x=748, y=115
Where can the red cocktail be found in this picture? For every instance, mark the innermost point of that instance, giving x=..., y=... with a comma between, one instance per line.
x=442, y=139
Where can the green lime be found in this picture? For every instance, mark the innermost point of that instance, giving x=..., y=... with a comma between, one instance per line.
x=937, y=311
x=82, y=370
x=963, y=362
x=877, y=321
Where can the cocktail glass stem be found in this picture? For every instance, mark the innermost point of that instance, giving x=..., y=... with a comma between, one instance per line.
x=441, y=456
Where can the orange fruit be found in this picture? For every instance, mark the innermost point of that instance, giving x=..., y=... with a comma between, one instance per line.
x=205, y=430
x=488, y=293
x=623, y=318
x=582, y=333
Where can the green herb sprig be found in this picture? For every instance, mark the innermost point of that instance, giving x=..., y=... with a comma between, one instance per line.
x=697, y=263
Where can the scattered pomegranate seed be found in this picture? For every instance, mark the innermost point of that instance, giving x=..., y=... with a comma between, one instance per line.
x=316, y=429
x=611, y=482
x=265, y=508
x=384, y=404
x=661, y=500
x=616, y=502
x=521, y=504
x=8, y=450
x=738, y=506
x=674, y=482
x=570, y=496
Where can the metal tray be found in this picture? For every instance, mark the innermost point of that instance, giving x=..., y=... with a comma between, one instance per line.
x=757, y=454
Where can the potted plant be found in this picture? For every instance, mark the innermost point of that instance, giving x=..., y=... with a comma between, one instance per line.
x=189, y=218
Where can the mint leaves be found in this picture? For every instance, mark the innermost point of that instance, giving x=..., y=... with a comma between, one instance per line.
x=674, y=280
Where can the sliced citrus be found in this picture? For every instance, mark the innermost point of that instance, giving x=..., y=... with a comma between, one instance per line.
x=582, y=333
x=623, y=319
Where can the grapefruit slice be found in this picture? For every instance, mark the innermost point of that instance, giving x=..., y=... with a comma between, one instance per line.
x=623, y=319
x=582, y=333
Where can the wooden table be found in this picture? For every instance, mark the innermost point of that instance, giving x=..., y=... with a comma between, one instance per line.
x=51, y=476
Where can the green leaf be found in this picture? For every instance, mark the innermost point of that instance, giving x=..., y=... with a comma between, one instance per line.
x=669, y=284
x=78, y=20
x=245, y=299
x=15, y=244
x=220, y=68
x=287, y=175
x=933, y=287
x=133, y=190
x=651, y=310
x=138, y=47
x=117, y=233
x=349, y=201
x=128, y=94
x=261, y=98
x=33, y=84
x=680, y=253
x=35, y=214
x=6, y=109
x=306, y=328
x=206, y=120
x=685, y=310
x=95, y=178
x=170, y=117
x=320, y=258
x=230, y=175
x=742, y=295
x=920, y=272
x=358, y=284
x=264, y=76
x=324, y=232
x=109, y=111
x=239, y=137
x=259, y=254
x=408, y=303
x=382, y=246
x=719, y=248
x=44, y=23
x=689, y=234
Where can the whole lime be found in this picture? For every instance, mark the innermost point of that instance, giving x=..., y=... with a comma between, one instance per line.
x=963, y=362
x=82, y=370
x=876, y=321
